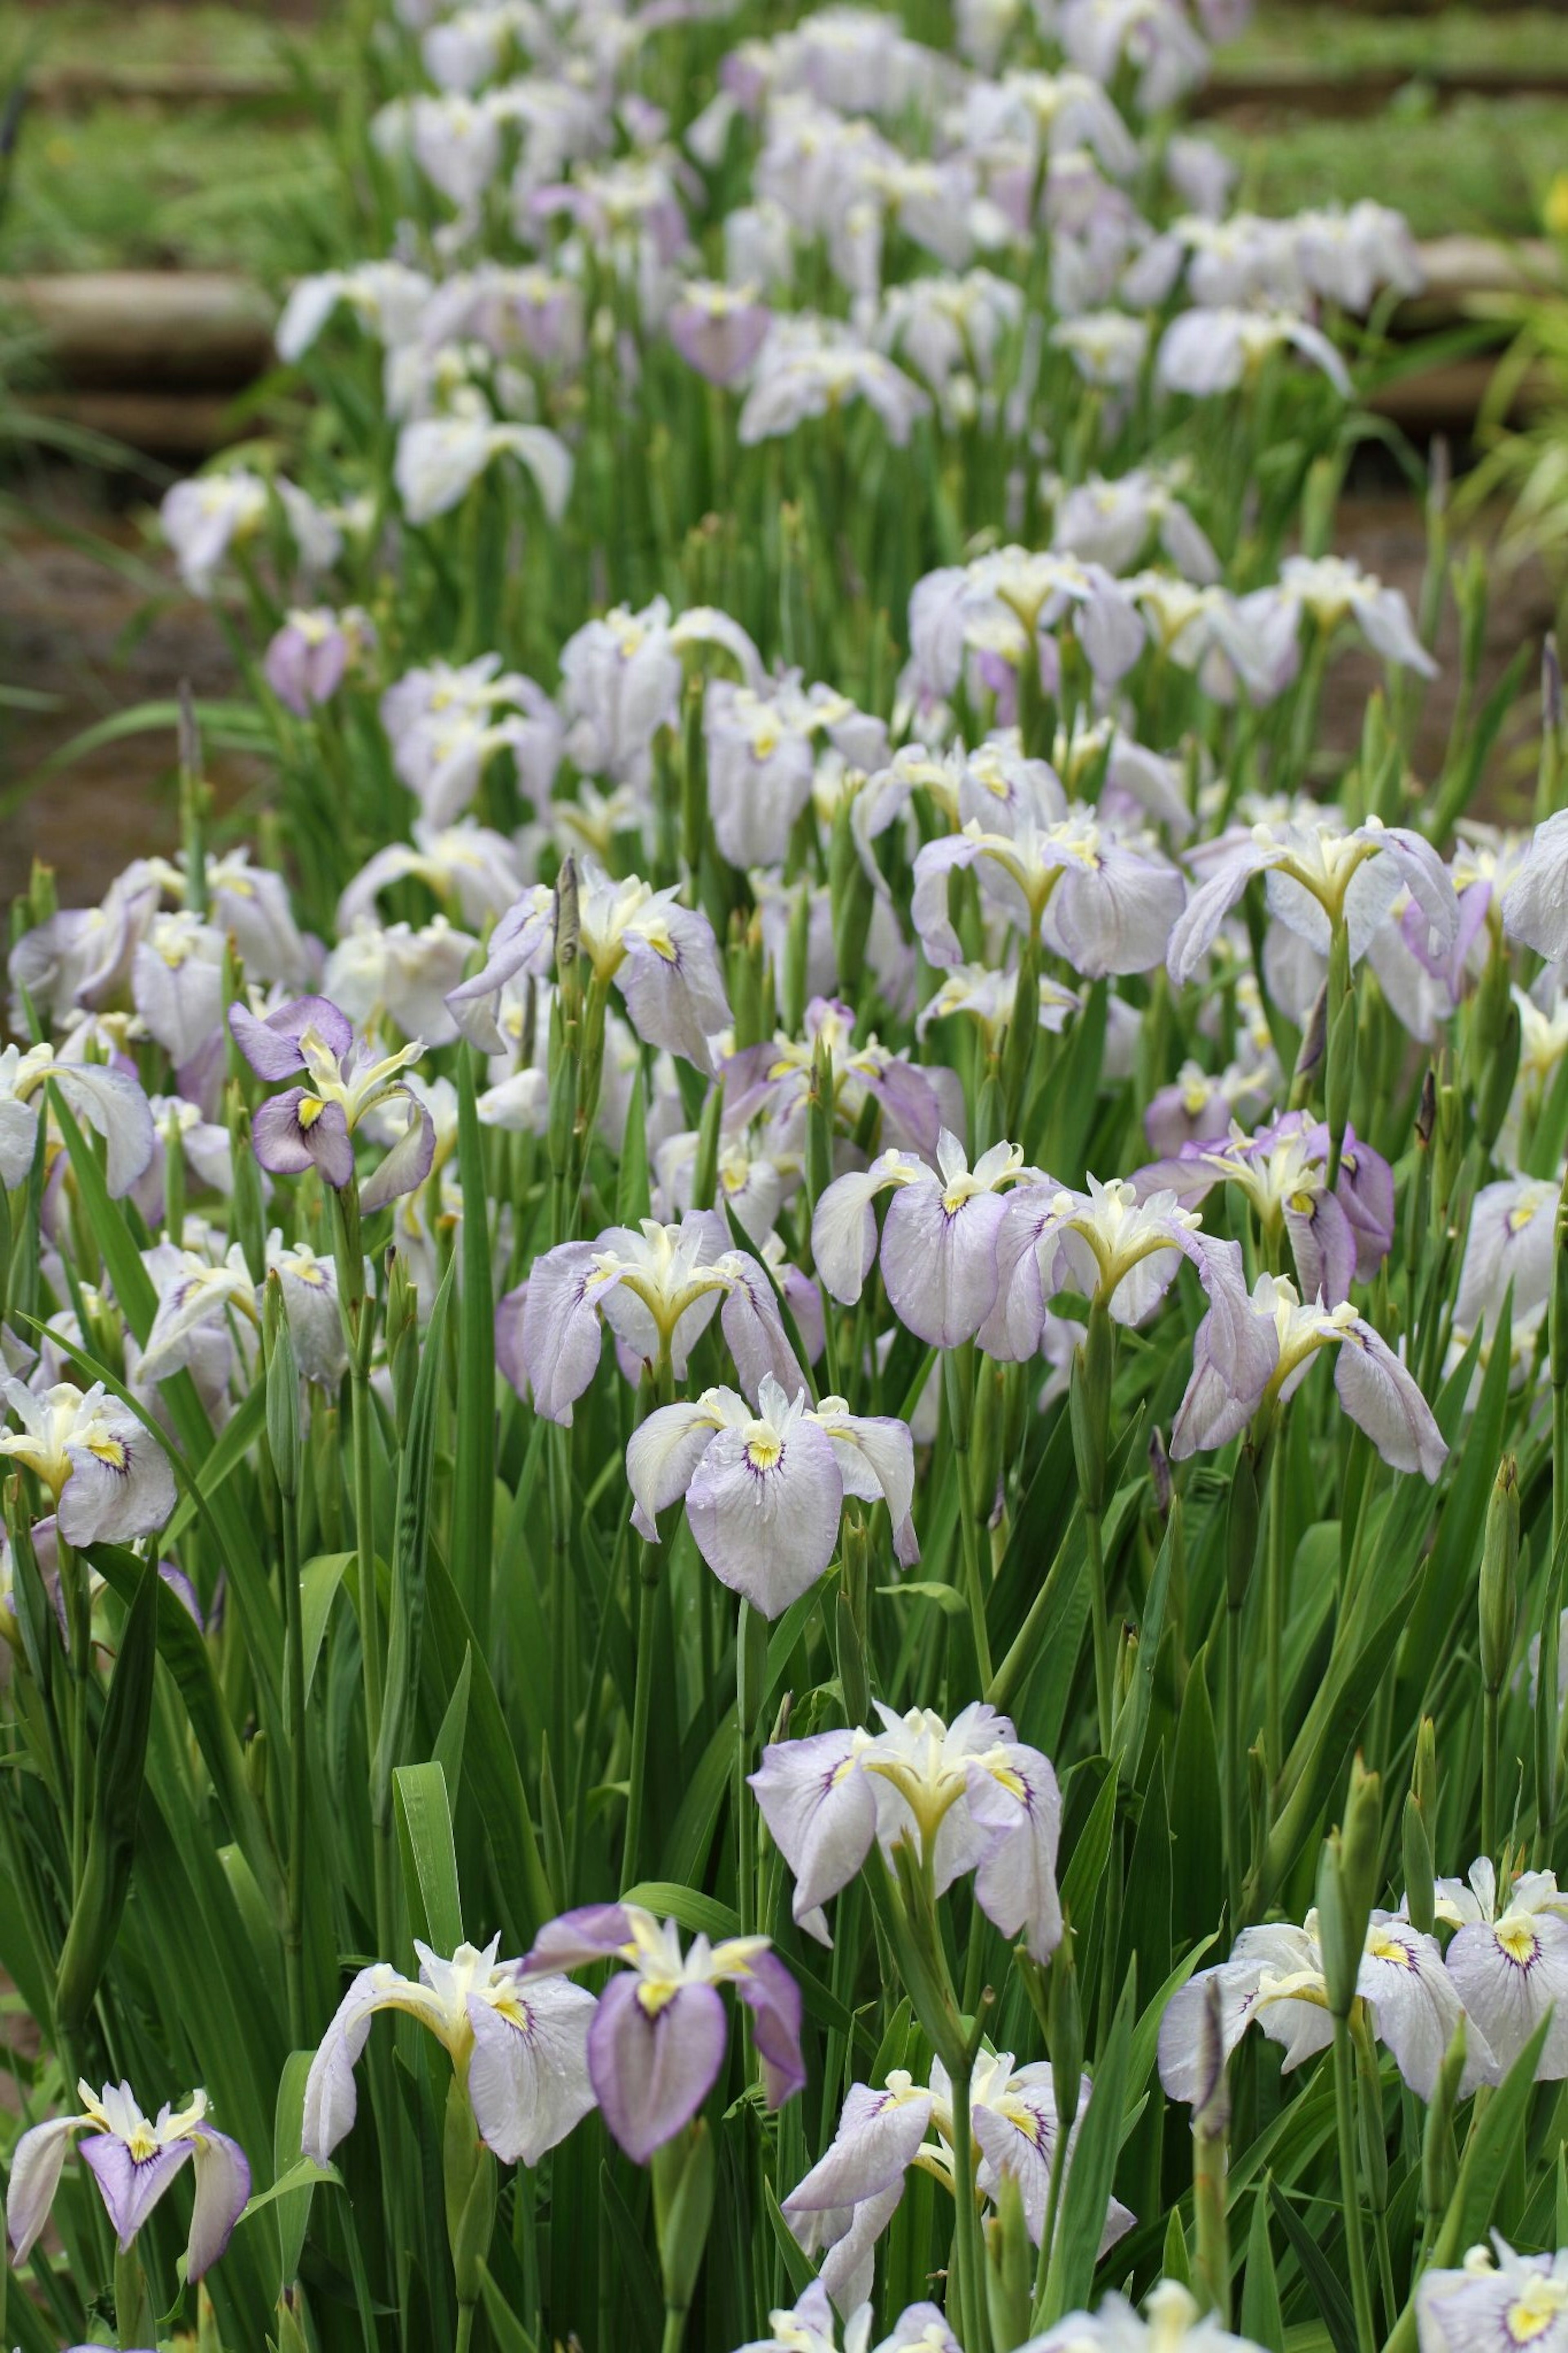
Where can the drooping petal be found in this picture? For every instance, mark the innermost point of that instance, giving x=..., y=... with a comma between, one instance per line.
x=753, y=1328
x=663, y=1453
x=1015, y=1797
x=1380, y=1397
x=939, y=1263
x=408, y=1163
x=1535, y=904
x=1197, y=926
x=528, y=2073
x=821, y=1814
x=35, y=2164
x=878, y=2139
x=562, y=1335
x=121, y=1487
x=843, y=1224
x=652, y=2067
x=132, y=2187
x=1507, y=1977
x=772, y=1996
x=330, y=2099
x=876, y=1457
x=1416, y=2006
x=223, y=2191
x=592, y=1932
x=112, y=1104
x=295, y=1131
x=764, y=1515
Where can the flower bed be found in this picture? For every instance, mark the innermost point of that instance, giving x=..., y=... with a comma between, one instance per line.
x=664, y=1332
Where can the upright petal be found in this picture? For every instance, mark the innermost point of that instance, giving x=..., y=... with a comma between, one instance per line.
x=271, y=1046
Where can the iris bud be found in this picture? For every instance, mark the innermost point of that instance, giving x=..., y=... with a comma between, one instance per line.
x=1499, y=1576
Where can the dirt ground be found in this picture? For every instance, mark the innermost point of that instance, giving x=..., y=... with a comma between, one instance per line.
x=74, y=631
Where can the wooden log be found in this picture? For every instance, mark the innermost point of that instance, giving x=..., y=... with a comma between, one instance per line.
x=185, y=427
x=144, y=328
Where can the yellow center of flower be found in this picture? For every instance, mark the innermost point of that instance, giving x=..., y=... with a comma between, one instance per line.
x=1518, y=1939
x=1379, y=1948
x=141, y=2144
x=763, y=1452
x=1532, y=2315
x=108, y=1449
x=309, y=1112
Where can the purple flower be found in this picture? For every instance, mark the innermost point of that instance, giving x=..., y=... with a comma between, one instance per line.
x=764, y=1491
x=659, y=2036
x=658, y=1289
x=110, y=1102
x=773, y=1082
x=308, y=659
x=662, y=957
x=111, y=1481
x=1199, y=1106
x=847, y=2200
x=718, y=330
x=1501, y=2299
x=1376, y=1389
x=314, y=1126
x=1535, y=904
x=1511, y=1244
x=133, y=2161
x=939, y=1241
x=1321, y=879
x=519, y=2049
x=1336, y=1235
x=969, y=1795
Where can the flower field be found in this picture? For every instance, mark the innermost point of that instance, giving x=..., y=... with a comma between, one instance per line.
x=792, y=1350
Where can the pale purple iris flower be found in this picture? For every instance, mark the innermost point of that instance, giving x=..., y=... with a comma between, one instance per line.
x=938, y=1241
x=1171, y=2322
x=1332, y=590
x=111, y=1481
x=1113, y=523
x=809, y=366
x=1274, y=1979
x=1199, y=1106
x=110, y=1102
x=1511, y=1244
x=764, y=1489
x=1498, y=2300
x=659, y=2034
x=194, y=1296
x=1535, y=904
x=662, y=957
x=314, y=650
x=717, y=329
x=134, y=2160
x=846, y=2202
x=658, y=1289
x=176, y=983
x=970, y=1796
x=1337, y=1235
x=519, y=2050
x=440, y=458
x=621, y=679
x=445, y=723
x=1509, y=1961
x=762, y=758
x=772, y=1082
x=1376, y=1387
x=1321, y=877
x=1123, y=1254
x=314, y=1126
x=1061, y=873
x=1207, y=351
x=807, y=2326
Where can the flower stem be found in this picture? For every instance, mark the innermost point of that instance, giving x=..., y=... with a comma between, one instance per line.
x=1350, y=2185
x=1099, y=1628
x=1274, y=1595
x=1488, y=1772
x=294, y=1639
x=968, y=2252
x=642, y=1708
x=1231, y=1775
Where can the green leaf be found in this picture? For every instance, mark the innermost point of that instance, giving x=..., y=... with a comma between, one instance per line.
x=797, y=2266
x=1087, y=2199
x=410, y=1559
x=117, y=1795
x=1332, y=2304
x=429, y=1855
x=1261, y=2320
x=948, y=1597
x=318, y=1582
x=474, y=1471
x=449, y=1749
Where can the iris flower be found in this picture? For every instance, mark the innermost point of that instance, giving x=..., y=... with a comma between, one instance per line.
x=133, y=2160
x=1376, y=1389
x=110, y=1480
x=110, y=1102
x=764, y=1489
x=969, y=1795
x=1500, y=2301
x=518, y=2048
x=1274, y=1979
x=1171, y=2324
x=314, y=1126
x=1320, y=876
x=939, y=1240
x=1509, y=1961
x=807, y=2326
x=659, y=2035
x=847, y=2201
x=658, y=1289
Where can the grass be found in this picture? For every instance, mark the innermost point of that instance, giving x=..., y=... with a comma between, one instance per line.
x=1346, y=41
x=1481, y=165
